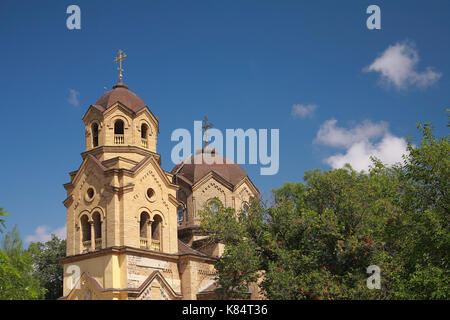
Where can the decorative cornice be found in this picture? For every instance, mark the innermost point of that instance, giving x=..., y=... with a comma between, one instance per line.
x=118, y=250
x=250, y=183
x=122, y=149
x=174, y=200
x=120, y=190
x=136, y=292
x=68, y=201
x=212, y=175
x=115, y=160
x=94, y=107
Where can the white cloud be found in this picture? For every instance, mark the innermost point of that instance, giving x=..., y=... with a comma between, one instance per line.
x=73, y=98
x=331, y=135
x=364, y=140
x=43, y=234
x=397, y=66
x=303, y=111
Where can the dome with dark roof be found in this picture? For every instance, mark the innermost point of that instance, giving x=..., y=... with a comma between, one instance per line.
x=195, y=167
x=121, y=93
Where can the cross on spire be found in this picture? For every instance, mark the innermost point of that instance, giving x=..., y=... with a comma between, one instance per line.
x=119, y=60
x=205, y=127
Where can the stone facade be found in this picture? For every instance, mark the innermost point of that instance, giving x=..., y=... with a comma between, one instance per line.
x=125, y=236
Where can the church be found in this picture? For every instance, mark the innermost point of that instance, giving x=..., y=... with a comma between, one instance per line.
x=133, y=229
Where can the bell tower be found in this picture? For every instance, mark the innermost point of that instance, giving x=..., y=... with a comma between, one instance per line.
x=120, y=199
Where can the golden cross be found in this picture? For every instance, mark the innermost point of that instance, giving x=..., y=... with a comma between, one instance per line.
x=119, y=59
x=205, y=127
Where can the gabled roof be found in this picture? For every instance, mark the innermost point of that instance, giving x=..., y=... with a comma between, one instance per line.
x=136, y=292
x=155, y=275
x=184, y=249
x=194, y=168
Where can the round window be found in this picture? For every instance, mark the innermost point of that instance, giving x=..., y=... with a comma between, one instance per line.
x=90, y=193
x=151, y=194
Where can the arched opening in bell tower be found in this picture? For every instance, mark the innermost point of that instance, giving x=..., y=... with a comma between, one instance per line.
x=97, y=230
x=144, y=229
x=119, y=132
x=85, y=232
x=156, y=233
x=144, y=135
x=95, y=135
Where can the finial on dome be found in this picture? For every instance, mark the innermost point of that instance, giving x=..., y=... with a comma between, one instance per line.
x=119, y=60
x=205, y=127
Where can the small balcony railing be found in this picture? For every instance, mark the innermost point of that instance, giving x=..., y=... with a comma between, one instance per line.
x=156, y=245
x=119, y=139
x=98, y=243
x=144, y=143
x=86, y=246
x=143, y=243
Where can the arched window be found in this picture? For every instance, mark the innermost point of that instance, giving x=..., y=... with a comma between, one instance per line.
x=97, y=225
x=245, y=208
x=156, y=233
x=143, y=230
x=214, y=205
x=95, y=135
x=85, y=229
x=118, y=132
x=143, y=224
x=118, y=127
x=180, y=213
x=144, y=130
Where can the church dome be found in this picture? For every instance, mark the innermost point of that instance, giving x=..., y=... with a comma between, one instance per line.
x=195, y=168
x=121, y=93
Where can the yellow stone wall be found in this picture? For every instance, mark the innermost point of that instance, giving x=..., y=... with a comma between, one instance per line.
x=120, y=195
x=140, y=267
x=213, y=188
x=104, y=269
x=132, y=126
x=195, y=276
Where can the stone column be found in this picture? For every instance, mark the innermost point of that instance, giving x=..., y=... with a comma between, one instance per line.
x=194, y=210
x=92, y=235
x=149, y=234
x=101, y=234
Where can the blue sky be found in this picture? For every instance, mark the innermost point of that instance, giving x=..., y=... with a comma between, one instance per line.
x=336, y=90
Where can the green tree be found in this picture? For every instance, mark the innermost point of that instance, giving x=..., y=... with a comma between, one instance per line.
x=425, y=237
x=236, y=273
x=316, y=239
x=2, y=221
x=47, y=267
x=16, y=270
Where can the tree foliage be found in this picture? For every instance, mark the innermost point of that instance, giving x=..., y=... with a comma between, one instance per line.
x=47, y=267
x=16, y=270
x=316, y=239
x=3, y=213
